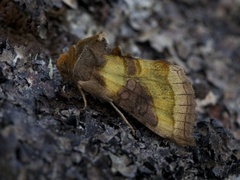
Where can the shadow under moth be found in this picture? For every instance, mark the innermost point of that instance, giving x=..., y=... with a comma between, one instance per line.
x=155, y=92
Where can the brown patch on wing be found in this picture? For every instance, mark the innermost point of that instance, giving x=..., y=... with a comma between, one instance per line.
x=129, y=66
x=117, y=51
x=81, y=61
x=96, y=43
x=134, y=99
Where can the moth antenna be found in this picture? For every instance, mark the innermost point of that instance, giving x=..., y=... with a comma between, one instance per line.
x=123, y=117
x=84, y=98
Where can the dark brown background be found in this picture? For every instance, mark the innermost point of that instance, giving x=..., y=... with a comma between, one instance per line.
x=43, y=133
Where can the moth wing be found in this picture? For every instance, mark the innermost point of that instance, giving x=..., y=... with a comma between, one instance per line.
x=156, y=93
x=174, y=100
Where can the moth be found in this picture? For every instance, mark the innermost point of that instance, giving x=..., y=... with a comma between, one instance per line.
x=155, y=92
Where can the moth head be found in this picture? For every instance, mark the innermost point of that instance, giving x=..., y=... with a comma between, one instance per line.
x=64, y=67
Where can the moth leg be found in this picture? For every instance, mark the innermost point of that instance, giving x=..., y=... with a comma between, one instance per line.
x=84, y=98
x=123, y=117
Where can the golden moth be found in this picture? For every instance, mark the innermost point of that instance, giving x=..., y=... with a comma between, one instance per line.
x=156, y=93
